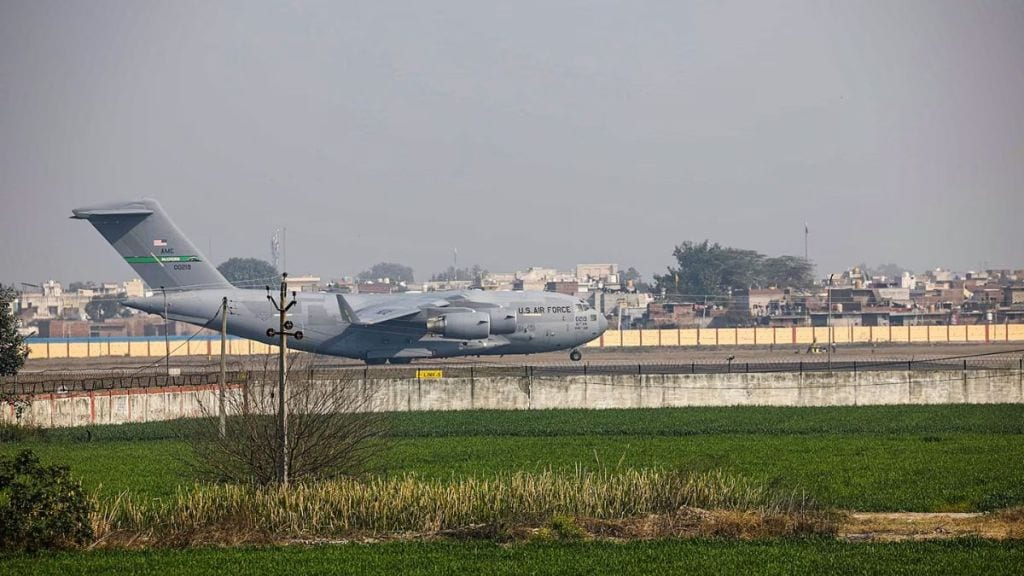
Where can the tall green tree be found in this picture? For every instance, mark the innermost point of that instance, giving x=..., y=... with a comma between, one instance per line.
x=632, y=274
x=393, y=272
x=13, y=349
x=710, y=269
x=249, y=272
x=787, y=272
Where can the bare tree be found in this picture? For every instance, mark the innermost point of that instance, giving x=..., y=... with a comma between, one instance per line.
x=333, y=429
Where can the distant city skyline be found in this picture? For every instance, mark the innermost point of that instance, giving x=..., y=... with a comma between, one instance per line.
x=532, y=133
x=420, y=279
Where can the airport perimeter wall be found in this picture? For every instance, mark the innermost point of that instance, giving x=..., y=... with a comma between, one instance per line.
x=579, y=391
x=55, y=348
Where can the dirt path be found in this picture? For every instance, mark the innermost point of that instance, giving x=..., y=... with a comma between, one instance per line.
x=896, y=526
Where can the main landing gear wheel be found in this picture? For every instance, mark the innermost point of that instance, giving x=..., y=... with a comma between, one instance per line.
x=575, y=356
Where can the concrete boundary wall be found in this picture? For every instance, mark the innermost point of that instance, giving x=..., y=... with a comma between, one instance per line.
x=524, y=393
x=48, y=348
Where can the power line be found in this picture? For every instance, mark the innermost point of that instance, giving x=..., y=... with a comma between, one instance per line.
x=178, y=347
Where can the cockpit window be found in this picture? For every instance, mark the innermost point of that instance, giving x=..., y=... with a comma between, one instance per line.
x=582, y=306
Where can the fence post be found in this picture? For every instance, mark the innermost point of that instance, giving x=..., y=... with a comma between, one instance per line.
x=801, y=366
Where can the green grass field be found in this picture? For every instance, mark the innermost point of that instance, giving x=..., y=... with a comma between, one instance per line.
x=476, y=557
x=919, y=458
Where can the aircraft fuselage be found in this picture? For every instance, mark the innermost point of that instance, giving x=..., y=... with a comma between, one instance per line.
x=543, y=321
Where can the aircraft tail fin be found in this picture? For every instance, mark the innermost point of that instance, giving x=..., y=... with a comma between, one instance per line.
x=148, y=240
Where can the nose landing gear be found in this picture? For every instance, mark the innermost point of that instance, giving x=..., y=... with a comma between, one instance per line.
x=575, y=356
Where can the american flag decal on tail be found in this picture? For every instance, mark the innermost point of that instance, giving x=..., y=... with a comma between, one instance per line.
x=159, y=242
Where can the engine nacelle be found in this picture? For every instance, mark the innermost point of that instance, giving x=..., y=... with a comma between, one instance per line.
x=461, y=325
x=503, y=320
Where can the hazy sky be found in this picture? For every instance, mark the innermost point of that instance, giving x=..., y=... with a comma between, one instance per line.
x=522, y=133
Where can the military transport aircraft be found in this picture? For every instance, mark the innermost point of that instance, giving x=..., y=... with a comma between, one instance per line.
x=375, y=328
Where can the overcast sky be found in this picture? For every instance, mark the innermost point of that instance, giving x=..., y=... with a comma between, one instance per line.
x=521, y=133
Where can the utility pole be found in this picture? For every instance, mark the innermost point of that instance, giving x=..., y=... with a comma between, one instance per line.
x=223, y=367
x=828, y=322
x=282, y=376
x=167, y=339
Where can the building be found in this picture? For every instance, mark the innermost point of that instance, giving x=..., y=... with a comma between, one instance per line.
x=134, y=288
x=759, y=302
x=569, y=288
x=1013, y=295
x=51, y=302
x=536, y=279
x=439, y=285
x=671, y=315
x=306, y=283
x=498, y=281
x=597, y=271
x=609, y=303
x=376, y=288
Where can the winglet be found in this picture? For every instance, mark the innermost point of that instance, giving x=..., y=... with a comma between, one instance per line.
x=347, y=313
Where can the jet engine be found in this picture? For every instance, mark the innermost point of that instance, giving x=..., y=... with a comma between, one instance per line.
x=503, y=320
x=461, y=325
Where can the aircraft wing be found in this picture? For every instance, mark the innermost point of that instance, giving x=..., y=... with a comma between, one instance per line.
x=376, y=313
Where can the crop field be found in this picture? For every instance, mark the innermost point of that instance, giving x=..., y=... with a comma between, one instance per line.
x=880, y=458
x=478, y=557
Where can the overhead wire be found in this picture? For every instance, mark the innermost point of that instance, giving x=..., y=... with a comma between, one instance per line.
x=169, y=353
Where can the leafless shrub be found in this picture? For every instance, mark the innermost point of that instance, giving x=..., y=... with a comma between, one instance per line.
x=332, y=429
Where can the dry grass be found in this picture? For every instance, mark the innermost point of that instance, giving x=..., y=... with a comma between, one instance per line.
x=700, y=523
x=1005, y=524
x=347, y=508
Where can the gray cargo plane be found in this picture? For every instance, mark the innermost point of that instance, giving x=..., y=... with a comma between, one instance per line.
x=375, y=328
